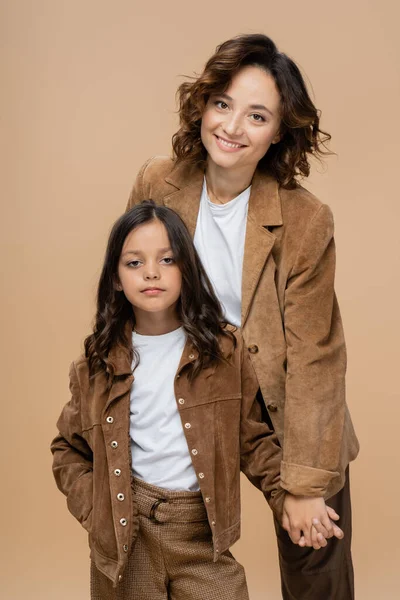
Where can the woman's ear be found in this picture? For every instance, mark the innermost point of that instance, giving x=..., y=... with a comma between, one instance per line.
x=277, y=138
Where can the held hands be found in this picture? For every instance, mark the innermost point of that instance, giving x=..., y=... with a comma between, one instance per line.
x=309, y=522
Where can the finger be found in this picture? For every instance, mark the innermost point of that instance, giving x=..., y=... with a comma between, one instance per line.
x=307, y=537
x=314, y=538
x=294, y=534
x=328, y=525
x=320, y=527
x=332, y=513
x=302, y=542
x=337, y=532
x=322, y=540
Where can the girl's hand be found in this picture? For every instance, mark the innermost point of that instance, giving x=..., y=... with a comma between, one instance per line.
x=309, y=522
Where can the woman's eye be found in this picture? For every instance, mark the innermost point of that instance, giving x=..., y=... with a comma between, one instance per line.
x=167, y=260
x=258, y=118
x=221, y=104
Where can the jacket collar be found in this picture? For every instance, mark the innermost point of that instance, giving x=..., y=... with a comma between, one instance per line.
x=264, y=203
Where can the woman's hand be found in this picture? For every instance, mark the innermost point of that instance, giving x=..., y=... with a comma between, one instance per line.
x=309, y=522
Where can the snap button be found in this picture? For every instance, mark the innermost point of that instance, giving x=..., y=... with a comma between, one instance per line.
x=208, y=499
x=125, y=548
x=212, y=522
x=114, y=444
x=253, y=349
x=120, y=497
x=181, y=401
x=194, y=451
x=110, y=420
x=117, y=472
x=272, y=407
x=191, y=356
x=123, y=522
x=187, y=425
x=119, y=577
x=201, y=475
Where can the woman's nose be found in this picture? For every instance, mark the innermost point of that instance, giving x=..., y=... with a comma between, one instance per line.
x=233, y=125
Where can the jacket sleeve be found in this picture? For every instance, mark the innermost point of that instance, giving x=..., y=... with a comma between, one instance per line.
x=139, y=193
x=73, y=458
x=260, y=452
x=316, y=365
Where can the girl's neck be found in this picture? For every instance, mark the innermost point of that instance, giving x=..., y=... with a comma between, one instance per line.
x=224, y=185
x=148, y=323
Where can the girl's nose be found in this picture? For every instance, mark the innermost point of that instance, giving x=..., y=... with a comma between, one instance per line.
x=151, y=274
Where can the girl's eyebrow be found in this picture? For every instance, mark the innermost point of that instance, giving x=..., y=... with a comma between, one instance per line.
x=138, y=252
x=252, y=106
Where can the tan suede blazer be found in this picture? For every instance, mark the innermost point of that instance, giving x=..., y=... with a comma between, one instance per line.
x=290, y=318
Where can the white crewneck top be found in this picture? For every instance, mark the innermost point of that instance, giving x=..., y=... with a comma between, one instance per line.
x=219, y=239
x=160, y=453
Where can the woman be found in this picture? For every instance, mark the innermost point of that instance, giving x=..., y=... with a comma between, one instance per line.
x=247, y=130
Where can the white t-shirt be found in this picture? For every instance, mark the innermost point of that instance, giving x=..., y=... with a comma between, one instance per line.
x=160, y=454
x=219, y=239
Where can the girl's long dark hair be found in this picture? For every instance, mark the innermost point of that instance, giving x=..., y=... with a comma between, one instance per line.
x=198, y=308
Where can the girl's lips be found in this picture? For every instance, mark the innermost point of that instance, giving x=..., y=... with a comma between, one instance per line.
x=228, y=146
x=152, y=291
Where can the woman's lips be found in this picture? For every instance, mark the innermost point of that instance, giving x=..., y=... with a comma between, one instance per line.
x=227, y=146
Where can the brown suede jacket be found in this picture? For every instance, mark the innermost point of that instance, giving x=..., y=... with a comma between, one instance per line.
x=291, y=322
x=222, y=422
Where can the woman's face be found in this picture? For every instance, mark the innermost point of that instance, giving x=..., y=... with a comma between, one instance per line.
x=239, y=125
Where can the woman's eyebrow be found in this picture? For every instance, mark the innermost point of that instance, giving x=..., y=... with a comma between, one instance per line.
x=252, y=106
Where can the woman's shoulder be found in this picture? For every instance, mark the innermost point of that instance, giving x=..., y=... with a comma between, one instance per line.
x=157, y=166
x=300, y=206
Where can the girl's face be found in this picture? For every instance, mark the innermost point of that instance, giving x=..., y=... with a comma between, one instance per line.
x=148, y=274
x=239, y=125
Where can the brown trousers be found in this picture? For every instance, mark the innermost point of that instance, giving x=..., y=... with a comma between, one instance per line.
x=325, y=574
x=172, y=558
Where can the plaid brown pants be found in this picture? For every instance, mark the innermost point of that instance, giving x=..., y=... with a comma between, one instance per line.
x=172, y=558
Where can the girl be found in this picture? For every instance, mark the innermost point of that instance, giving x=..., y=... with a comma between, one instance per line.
x=150, y=461
x=248, y=128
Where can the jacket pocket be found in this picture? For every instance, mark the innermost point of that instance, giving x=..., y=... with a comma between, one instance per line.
x=80, y=499
x=102, y=531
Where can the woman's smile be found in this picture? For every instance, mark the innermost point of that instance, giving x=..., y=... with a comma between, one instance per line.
x=227, y=145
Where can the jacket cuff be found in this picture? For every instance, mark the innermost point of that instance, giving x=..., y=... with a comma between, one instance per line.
x=300, y=480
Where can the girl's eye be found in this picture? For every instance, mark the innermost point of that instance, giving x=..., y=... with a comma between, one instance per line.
x=258, y=118
x=221, y=104
x=133, y=263
x=167, y=260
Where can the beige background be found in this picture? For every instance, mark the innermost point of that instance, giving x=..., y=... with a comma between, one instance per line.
x=87, y=95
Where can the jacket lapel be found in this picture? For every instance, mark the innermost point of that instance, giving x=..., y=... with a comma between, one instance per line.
x=264, y=211
x=186, y=199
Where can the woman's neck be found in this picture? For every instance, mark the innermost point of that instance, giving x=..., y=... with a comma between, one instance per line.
x=148, y=323
x=224, y=185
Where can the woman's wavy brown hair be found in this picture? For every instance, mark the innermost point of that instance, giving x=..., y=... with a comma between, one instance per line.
x=300, y=133
x=198, y=307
